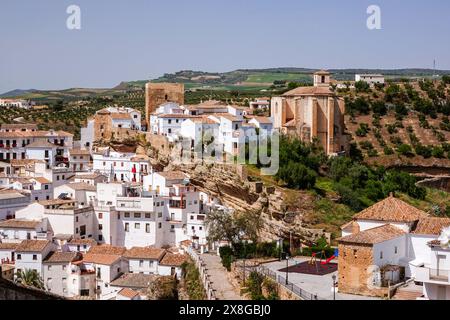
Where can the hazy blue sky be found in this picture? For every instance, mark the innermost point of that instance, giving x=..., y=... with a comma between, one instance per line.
x=141, y=39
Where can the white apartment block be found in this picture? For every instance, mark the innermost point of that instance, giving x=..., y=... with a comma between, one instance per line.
x=123, y=167
x=11, y=201
x=83, y=193
x=371, y=79
x=126, y=118
x=17, y=230
x=64, y=217
x=16, y=103
x=50, y=146
x=30, y=255
x=80, y=160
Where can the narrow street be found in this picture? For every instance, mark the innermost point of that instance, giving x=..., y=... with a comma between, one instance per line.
x=218, y=275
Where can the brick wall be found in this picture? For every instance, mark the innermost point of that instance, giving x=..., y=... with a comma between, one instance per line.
x=354, y=271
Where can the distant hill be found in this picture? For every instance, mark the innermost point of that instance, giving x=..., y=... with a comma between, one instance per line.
x=238, y=80
x=17, y=92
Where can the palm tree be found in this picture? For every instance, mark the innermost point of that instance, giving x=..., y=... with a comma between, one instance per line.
x=30, y=278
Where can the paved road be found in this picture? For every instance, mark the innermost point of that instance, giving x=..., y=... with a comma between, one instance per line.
x=218, y=276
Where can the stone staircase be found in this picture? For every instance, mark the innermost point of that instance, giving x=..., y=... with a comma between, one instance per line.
x=407, y=294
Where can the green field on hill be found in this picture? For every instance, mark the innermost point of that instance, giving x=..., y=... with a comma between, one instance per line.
x=270, y=77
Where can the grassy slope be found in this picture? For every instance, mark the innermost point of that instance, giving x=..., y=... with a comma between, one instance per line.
x=330, y=215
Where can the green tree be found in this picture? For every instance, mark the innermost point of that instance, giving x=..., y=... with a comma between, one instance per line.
x=297, y=175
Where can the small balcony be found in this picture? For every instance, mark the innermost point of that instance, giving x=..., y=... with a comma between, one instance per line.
x=424, y=274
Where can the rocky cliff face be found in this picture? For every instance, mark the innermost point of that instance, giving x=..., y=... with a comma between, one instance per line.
x=282, y=217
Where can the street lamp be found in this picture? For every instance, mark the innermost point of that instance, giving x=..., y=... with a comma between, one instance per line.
x=287, y=269
x=334, y=286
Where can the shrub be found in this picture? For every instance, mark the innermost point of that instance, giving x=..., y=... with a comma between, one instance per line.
x=405, y=150
x=391, y=128
x=396, y=140
x=388, y=150
x=438, y=152
x=372, y=153
x=254, y=285
x=226, y=254
x=424, y=151
x=379, y=107
x=366, y=145
x=363, y=130
x=192, y=281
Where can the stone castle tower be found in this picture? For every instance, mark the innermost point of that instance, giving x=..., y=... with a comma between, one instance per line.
x=157, y=94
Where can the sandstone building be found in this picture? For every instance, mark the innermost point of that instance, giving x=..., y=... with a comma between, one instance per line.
x=312, y=112
x=157, y=94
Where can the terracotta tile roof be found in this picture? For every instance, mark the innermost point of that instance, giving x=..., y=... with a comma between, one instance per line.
x=19, y=224
x=18, y=126
x=42, y=180
x=11, y=194
x=90, y=242
x=62, y=257
x=374, y=235
x=173, y=260
x=349, y=226
x=264, y=120
x=309, y=91
x=204, y=120
x=81, y=186
x=393, y=210
x=230, y=117
x=89, y=176
x=41, y=144
x=144, y=253
x=120, y=116
x=34, y=134
x=55, y=202
x=186, y=243
x=108, y=249
x=128, y=293
x=173, y=175
x=134, y=280
x=177, y=116
x=25, y=162
x=104, y=259
x=8, y=246
x=32, y=245
x=431, y=225
x=79, y=152
x=322, y=73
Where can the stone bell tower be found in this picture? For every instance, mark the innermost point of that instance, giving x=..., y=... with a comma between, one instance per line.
x=322, y=79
